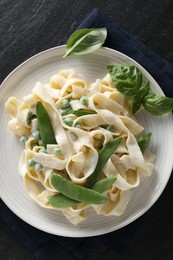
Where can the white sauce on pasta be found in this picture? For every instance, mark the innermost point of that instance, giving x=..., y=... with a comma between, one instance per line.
x=79, y=157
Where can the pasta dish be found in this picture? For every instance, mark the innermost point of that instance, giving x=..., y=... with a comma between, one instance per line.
x=81, y=146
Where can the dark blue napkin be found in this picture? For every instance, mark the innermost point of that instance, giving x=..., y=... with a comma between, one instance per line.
x=46, y=246
x=118, y=39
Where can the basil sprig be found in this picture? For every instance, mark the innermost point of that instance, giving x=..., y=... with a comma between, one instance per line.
x=84, y=41
x=129, y=81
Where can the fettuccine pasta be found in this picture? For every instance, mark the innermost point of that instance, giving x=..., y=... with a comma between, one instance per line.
x=79, y=139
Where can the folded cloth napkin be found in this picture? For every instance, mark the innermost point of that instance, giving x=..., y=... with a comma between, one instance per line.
x=118, y=39
x=47, y=246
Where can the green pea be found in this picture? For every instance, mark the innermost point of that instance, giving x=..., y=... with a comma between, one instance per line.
x=42, y=150
x=66, y=111
x=76, y=192
x=38, y=167
x=45, y=126
x=64, y=103
x=31, y=163
x=104, y=154
x=23, y=139
x=84, y=100
x=57, y=151
x=36, y=133
x=78, y=125
x=68, y=121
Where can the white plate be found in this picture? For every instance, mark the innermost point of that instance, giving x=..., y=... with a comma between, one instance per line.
x=19, y=83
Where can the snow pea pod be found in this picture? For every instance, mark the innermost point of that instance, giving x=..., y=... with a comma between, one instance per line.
x=144, y=141
x=104, y=184
x=104, y=154
x=76, y=192
x=61, y=201
x=83, y=112
x=45, y=126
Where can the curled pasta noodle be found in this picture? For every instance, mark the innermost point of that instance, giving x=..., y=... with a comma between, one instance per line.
x=79, y=139
x=12, y=106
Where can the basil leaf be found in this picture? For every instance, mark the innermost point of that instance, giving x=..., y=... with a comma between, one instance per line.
x=157, y=105
x=85, y=41
x=127, y=78
x=144, y=141
x=139, y=96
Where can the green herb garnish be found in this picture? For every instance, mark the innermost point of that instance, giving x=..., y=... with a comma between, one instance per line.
x=157, y=104
x=84, y=41
x=127, y=78
x=129, y=81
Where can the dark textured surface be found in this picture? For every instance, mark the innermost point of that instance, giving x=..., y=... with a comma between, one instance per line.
x=28, y=27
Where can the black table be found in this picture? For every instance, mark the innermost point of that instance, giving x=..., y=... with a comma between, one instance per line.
x=28, y=27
